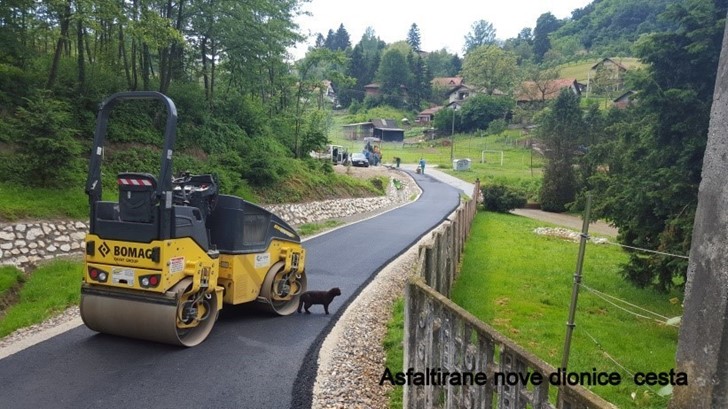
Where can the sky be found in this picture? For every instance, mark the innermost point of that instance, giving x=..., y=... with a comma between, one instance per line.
x=442, y=24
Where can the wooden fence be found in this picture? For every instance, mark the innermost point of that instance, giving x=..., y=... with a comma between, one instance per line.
x=484, y=368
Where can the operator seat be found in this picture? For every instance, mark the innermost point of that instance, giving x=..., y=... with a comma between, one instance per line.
x=137, y=200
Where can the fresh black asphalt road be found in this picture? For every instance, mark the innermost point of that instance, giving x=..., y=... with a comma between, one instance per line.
x=250, y=360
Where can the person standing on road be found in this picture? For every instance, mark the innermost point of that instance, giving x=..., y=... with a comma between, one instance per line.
x=422, y=165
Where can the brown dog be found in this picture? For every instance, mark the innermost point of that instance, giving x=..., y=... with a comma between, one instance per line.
x=324, y=298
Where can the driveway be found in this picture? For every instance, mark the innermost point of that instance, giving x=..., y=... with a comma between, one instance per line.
x=561, y=219
x=567, y=220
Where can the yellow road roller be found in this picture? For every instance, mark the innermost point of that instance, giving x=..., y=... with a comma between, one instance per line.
x=162, y=260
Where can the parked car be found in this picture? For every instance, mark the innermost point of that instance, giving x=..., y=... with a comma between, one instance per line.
x=358, y=159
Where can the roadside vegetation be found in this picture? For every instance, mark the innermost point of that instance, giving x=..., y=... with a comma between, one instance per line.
x=51, y=288
x=309, y=229
x=9, y=277
x=395, y=350
x=520, y=283
x=308, y=180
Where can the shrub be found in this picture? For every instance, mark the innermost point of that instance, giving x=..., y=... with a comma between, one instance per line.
x=501, y=198
x=559, y=186
x=531, y=187
x=48, y=154
x=266, y=160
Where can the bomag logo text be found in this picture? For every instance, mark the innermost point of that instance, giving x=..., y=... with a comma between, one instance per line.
x=132, y=252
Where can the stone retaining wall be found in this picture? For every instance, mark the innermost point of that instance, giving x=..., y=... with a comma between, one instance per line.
x=301, y=213
x=26, y=244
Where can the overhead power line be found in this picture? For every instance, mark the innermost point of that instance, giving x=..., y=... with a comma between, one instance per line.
x=647, y=250
x=606, y=297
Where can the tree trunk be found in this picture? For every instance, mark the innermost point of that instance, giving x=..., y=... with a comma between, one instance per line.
x=90, y=57
x=163, y=72
x=80, y=59
x=134, y=72
x=213, y=46
x=165, y=55
x=205, y=78
x=65, y=18
x=122, y=54
x=144, y=61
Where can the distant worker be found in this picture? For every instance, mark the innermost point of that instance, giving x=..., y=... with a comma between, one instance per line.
x=422, y=165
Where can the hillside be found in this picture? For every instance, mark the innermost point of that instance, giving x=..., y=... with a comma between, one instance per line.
x=608, y=28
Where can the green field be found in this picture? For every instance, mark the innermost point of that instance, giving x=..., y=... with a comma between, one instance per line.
x=521, y=283
x=580, y=70
x=520, y=165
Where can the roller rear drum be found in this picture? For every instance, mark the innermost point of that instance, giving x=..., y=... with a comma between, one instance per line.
x=176, y=318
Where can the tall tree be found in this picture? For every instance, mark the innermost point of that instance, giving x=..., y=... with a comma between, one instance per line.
x=491, y=68
x=341, y=39
x=561, y=129
x=654, y=156
x=320, y=41
x=307, y=84
x=330, y=41
x=481, y=33
x=521, y=46
x=413, y=37
x=64, y=13
x=546, y=24
x=456, y=65
x=440, y=63
x=393, y=74
x=420, y=86
x=370, y=43
x=358, y=71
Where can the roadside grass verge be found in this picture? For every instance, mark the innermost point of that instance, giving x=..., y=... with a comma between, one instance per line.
x=50, y=289
x=394, y=349
x=9, y=276
x=520, y=283
x=308, y=229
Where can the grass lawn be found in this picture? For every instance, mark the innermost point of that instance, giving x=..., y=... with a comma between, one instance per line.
x=520, y=166
x=51, y=288
x=520, y=283
x=9, y=276
x=23, y=202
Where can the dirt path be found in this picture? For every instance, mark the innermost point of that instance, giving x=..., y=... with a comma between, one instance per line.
x=567, y=220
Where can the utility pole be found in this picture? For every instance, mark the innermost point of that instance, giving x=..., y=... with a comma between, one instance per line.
x=577, y=282
x=452, y=136
x=530, y=144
